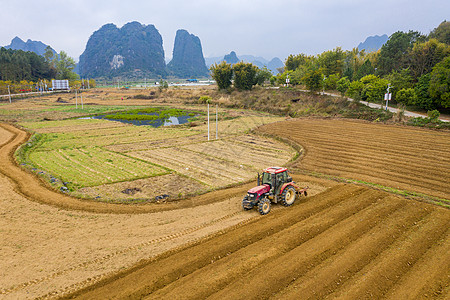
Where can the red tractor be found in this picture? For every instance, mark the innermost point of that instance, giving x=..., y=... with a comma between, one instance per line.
x=274, y=185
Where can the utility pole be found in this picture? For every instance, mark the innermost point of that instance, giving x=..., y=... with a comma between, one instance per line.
x=323, y=85
x=82, y=101
x=217, y=124
x=89, y=86
x=9, y=93
x=76, y=99
x=387, y=96
x=208, y=121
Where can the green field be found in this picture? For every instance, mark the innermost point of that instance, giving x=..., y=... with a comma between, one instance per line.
x=93, y=166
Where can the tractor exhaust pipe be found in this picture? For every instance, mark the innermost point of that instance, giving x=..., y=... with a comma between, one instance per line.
x=259, y=180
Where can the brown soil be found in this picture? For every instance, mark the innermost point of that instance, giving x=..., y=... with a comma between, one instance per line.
x=349, y=241
x=346, y=241
x=146, y=189
x=405, y=158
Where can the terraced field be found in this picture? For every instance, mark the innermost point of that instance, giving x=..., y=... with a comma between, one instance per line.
x=343, y=241
x=348, y=242
x=402, y=158
x=93, y=158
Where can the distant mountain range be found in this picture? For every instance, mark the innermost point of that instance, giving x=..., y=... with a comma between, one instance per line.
x=37, y=47
x=373, y=43
x=136, y=50
x=258, y=61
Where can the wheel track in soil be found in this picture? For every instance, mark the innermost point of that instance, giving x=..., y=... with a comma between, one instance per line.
x=128, y=251
x=345, y=240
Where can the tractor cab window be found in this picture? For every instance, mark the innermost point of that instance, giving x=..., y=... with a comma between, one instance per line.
x=281, y=177
x=267, y=179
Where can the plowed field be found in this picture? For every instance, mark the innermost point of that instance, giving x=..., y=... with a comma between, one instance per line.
x=349, y=241
x=343, y=241
x=403, y=158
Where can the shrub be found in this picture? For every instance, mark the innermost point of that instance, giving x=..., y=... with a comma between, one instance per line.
x=406, y=96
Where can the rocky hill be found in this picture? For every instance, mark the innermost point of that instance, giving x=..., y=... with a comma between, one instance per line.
x=135, y=50
x=373, y=43
x=37, y=47
x=187, y=60
x=231, y=58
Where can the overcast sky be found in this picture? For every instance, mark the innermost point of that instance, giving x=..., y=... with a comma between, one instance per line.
x=265, y=28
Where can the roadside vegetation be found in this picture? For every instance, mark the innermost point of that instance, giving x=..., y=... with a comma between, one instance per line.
x=416, y=67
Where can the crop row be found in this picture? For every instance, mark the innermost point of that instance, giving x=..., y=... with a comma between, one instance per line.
x=93, y=166
x=238, y=125
x=404, y=158
x=123, y=135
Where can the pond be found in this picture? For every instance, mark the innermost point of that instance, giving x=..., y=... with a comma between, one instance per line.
x=155, y=117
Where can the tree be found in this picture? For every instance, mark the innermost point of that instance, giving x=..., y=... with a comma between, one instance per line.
x=400, y=80
x=440, y=83
x=49, y=56
x=332, y=62
x=342, y=85
x=406, y=96
x=330, y=83
x=244, y=75
x=17, y=65
x=313, y=80
x=64, y=67
x=392, y=53
x=262, y=75
x=374, y=88
x=424, y=56
x=273, y=80
x=355, y=90
x=222, y=73
x=365, y=69
x=423, y=99
x=442, y=33
x=295, y=61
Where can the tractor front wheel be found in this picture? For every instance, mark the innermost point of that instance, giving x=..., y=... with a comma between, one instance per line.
x=288, y=196
x=264, y=206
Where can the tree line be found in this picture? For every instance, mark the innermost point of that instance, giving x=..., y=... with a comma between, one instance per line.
x=417, y=67
x=18, y=65
x=243, y=75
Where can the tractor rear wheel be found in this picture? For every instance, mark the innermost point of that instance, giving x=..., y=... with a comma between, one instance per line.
x=288, y=196
x=264, y=206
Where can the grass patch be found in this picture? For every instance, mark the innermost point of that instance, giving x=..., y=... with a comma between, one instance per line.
x=150, y=114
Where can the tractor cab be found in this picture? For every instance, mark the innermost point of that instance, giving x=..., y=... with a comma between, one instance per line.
x=275, y=177
x=274, y=185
